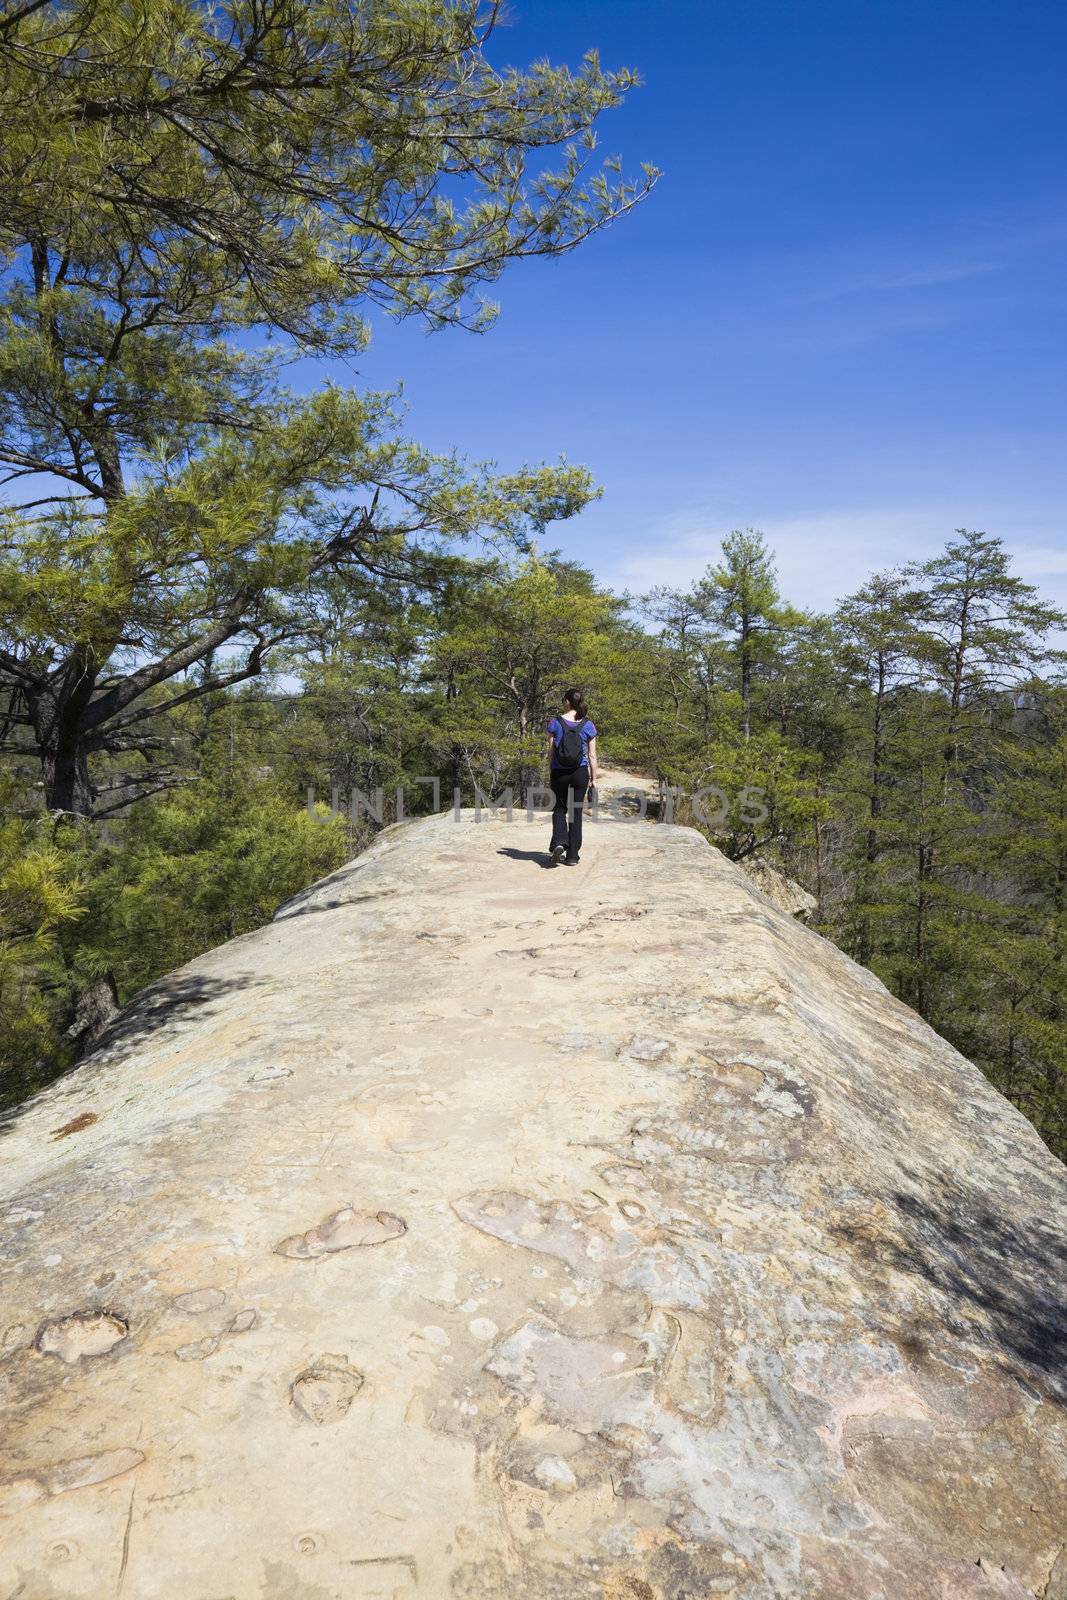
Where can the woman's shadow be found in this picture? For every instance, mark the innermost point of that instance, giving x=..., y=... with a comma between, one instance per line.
x=540, y=857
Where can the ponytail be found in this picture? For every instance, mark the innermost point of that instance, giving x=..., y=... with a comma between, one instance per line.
x=576, y=700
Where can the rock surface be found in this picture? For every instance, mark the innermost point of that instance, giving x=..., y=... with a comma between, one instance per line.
x=483, y=1231
x=782, y=891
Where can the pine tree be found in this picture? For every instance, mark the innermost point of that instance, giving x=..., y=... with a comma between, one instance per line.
x=939, y=647
x=176, y=185
x=751, y=788
x=41, y=898
x=740, y=598
x=876, y=643
x=980, y=633
x=208, y=861
x=1016, y=1026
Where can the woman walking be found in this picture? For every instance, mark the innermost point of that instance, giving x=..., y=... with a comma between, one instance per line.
x=572, y=772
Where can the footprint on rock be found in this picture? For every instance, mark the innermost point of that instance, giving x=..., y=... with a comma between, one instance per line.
x=642, y=1047
x=197, y=1351
x=343, y=1230
x=82, y=1333
x=197, y=1300
x=325, y=1390
x=18, y=1494
x=85, y=1470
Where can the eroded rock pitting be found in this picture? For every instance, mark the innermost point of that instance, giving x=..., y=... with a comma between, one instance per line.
x=323, y=1392
x=81, y=1335
x=345, y=1229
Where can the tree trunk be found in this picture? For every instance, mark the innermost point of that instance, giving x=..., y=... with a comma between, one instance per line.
x=66, y=779
x=746, y=673
x=455, y=751
x=922, y=997
x=874, y=812
x=57, y=709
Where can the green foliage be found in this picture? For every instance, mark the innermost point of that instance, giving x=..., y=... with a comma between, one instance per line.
x=280, y=162
x=191, y=196
x=230, y=549
x=205, y=863
x=1021, y=1037
x=765, y=795
x=527, y=634
x=723, y=651
x=41, y=897
x=945, y=806
x=739, y=601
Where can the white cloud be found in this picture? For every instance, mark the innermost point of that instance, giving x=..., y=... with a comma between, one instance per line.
x=824, y=555
x=930, y=277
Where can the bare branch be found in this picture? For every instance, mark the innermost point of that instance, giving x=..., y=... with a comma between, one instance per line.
x=9, y=23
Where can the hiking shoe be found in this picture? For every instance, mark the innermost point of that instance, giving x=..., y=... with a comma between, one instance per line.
x=557, y=853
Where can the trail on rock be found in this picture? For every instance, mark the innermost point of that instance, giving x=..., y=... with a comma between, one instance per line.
x=483, y=1229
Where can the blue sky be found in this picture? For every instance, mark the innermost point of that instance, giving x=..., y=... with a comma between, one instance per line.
x=840, y=317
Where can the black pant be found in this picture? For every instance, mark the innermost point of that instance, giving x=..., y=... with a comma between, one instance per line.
x=569, y=789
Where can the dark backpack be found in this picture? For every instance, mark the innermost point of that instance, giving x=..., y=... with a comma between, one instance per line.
x=570, y=747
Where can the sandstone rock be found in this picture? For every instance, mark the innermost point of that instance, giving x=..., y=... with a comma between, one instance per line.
x=781, y=891
x=753, y=1288
x=83, y=1334
x=95, y=1008
x=325, y=1391
x=344, y=1230
x=198, y=1300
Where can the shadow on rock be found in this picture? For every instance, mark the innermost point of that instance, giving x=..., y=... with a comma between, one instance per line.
x=177, y=998
x=1013, y=1272
x=538, y=857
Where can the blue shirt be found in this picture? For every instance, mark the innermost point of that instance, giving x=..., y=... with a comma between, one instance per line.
x=556, y=727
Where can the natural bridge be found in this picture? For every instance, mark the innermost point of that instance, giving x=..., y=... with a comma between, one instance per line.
x=476, y=1230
